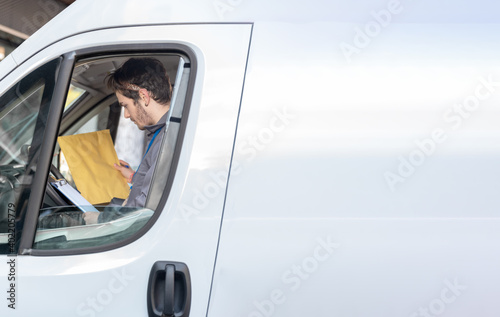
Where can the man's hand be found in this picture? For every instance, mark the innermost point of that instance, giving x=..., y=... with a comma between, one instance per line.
x=125, y=169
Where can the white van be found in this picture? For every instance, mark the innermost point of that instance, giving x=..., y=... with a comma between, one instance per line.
x=322, y=158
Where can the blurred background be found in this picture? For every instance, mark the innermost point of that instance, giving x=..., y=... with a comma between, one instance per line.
x=20, y=19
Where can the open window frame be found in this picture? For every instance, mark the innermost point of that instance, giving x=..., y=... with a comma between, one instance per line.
x=167, y=159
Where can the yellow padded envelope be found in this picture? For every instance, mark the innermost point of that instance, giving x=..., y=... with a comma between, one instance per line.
x=90, y=158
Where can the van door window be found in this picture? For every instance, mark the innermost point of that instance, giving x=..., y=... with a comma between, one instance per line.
x=62, y=223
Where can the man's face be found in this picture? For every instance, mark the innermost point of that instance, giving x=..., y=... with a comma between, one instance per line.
x=135, y=112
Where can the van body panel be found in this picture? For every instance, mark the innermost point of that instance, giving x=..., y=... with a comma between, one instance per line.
x=370, y=193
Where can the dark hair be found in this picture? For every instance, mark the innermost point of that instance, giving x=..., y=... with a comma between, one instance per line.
x=147, y=73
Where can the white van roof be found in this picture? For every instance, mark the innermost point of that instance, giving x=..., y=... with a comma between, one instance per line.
x=86, y=15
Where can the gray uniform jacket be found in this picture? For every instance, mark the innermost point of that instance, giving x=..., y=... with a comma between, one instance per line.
x=144, y=174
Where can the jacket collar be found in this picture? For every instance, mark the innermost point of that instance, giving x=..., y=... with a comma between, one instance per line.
x=151, y=129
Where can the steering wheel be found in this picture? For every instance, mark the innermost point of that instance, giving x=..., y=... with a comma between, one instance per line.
x=56, y=172
x=61, y=211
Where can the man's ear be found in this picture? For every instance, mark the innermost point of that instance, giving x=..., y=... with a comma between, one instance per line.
x=144, y=95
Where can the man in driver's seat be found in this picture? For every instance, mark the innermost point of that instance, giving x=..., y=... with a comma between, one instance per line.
x=143, y=89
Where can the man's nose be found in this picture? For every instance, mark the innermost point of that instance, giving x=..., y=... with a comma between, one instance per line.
x=126, y=114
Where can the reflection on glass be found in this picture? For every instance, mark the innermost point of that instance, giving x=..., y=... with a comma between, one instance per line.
x=73, y=94
x=64, y=227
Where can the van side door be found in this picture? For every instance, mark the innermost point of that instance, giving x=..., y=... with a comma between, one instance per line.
x=160, y=258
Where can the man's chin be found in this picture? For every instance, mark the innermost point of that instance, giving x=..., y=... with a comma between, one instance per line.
x=140, y=127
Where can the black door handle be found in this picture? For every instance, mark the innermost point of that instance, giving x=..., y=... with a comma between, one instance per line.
x=168, y=307
x=169, y=290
